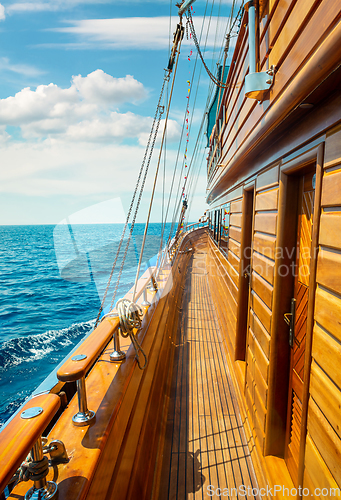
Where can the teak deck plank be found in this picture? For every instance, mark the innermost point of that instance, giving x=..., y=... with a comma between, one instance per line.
x=205, y=442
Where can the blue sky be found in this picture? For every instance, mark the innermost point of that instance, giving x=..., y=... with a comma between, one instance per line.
x=79, y=83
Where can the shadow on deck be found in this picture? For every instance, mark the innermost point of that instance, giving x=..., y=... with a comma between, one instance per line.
x=205, y=445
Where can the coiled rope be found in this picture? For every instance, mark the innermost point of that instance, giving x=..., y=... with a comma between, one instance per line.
x=34, y=471
x=130, y=315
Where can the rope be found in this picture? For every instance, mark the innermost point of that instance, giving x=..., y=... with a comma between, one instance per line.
x=157, y=168
x=215, y=80
x=34, y=471
x=151, y=139
x=130, y=315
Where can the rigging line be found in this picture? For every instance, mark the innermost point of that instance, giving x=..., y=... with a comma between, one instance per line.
x=227, y=46
x=163, y=220
x=180, y=142
x=189, y=210
x=210, y=74
x=176, y=214
x=156, y=174
x=156, y=118
x=194, y=184
x=196, y=170
x=178, y=205
x=137, y=206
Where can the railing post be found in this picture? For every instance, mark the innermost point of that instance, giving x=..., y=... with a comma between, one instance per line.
x=84, y=416
x=145, y=298
x=42, y=489
x=117, y=354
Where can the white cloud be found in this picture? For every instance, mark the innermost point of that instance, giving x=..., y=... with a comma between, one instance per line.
x=136, y=32
x=82, y=112
x=2, y=12
x=101, y=88
x=21, y=69
x=52, y=5
x=57, y=5
x=56, y=168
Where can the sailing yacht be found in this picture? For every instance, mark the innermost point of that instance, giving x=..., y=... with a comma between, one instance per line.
x=218, y=375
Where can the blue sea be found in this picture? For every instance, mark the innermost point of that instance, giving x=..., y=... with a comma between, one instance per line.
x=52, y=280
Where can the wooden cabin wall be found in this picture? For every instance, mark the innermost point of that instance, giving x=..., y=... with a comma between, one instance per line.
x=322, y=459
x=260, y=299
x=289, y=33
x=323, y=445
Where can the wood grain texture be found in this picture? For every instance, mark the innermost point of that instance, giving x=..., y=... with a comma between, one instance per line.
x=206, y=443
x=267, y=179
x=327, y=353
x=234, y=246
x=260, y=333
x=265, y=244
x=236, y=206
x=236, y=220
x=266, y=222
x=113, y=391
x=234, y=260
x=327, y=396
x=235, y=233
x=91, y=348
x=325, y=440
x=291, y=30
x=263, y=266
x=278, y=19
x=331, y=190
x=260, y=410
x=300, y=44
x=259, y=356
x=261, y=310
x=259, y=125
x=315, y=467
x=267, y=200
x=263, y=289
x=20, y=435
x=329, y=269
x=333, y=147
x=306, y=222
x=330, y=230
x=328, y=311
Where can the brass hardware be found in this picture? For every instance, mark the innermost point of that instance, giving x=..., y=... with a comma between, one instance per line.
x=289, y=318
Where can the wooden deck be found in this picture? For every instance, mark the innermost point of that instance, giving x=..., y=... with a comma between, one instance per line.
x=205, y=443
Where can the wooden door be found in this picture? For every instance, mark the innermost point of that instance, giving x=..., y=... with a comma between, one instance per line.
x=302, y=275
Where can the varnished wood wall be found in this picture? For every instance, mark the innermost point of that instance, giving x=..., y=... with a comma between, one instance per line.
x=290, y=31
x=260, y=301
x=322, y=459
x=323, y=446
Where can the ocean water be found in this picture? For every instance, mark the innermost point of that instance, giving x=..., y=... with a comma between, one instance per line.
x=52, y=280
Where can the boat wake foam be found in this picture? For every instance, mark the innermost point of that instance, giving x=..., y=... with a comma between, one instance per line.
x=16, y=351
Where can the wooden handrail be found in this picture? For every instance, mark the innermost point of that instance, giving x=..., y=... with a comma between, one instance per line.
x=93, y=345
x=20, y=435
x=91, y=348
